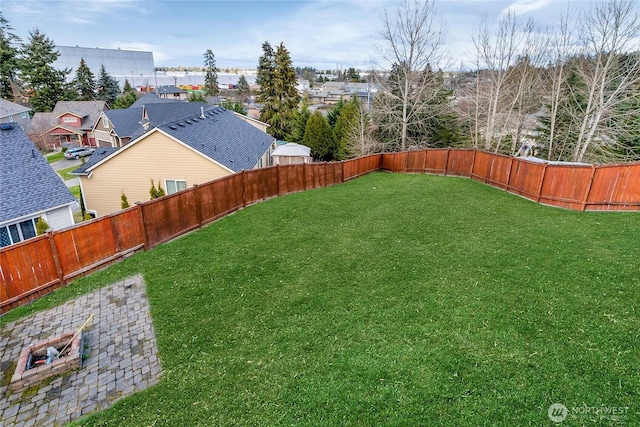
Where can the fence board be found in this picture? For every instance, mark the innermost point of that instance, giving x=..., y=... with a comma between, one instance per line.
x=525, y=178
x=290, y=178
x=169, y=217
x=460, y=162
x=416, y=161
x=436, y=161
x=565, y=186
x=25, y=267
x=615, y=188
x=260, y=184
x=84, y=245
x=492, y=169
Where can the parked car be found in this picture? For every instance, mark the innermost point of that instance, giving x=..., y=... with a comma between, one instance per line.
x=76, y=153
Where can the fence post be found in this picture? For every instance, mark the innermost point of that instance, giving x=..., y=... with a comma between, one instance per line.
x=506, y=185
x=116, y=235
x=56, y=258
x=145, y=239
x=244, y=188
x=588, y=189
x=473, y=162
x=196, y=195
x=446, y=162
x=544, y=172
x=279, y=192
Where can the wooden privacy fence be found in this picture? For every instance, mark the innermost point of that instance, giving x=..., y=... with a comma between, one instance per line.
x=40, y=265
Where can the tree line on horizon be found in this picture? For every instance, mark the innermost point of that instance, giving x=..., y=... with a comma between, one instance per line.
x=559, y=94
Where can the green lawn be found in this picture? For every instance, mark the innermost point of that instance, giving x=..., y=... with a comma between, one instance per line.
x=51, y=158
x=75, y=190
x=389, y=300
x=65, y=173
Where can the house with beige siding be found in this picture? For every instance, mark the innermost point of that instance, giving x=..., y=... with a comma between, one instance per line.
x=176, y=155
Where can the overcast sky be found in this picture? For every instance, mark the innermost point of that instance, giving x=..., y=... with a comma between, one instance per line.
x=325, y=34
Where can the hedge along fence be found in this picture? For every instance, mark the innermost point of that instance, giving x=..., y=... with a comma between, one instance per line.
x=40, y=265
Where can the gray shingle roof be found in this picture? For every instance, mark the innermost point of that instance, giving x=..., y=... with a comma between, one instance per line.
x=96, y=156
x=170, y=89
x=151, y=98
x=28, y=183
x=125, y=121
x=89, y=110
x=8, y=108
x=222, y=137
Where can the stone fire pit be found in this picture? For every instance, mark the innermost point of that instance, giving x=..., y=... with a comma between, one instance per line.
x=30, y=371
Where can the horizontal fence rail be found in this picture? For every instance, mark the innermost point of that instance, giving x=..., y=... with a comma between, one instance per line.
x=38, y=266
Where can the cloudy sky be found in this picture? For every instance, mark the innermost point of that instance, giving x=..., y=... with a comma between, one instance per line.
x=326, y=34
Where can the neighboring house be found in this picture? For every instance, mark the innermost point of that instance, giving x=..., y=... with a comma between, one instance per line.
x=150, y=98
x=70, y=123
x=172, y=92
x=116, y=128
x=30, y=189
x=198, y=148
x=291, y=154
x=14, y=113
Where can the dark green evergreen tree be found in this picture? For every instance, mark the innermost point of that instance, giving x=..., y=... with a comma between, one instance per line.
x=300, y=118
x=107, y=87
x=243, y=89
x=343, y=129
x=46, y=84
x=126, y=88
x=211, y=74
x=332, y=117
x=8, y=60
x=125, y=100
x=265, y=79
x=287, y=97
x=197, y=96
x=319, y=137
x=84, y=84
x=234, y=106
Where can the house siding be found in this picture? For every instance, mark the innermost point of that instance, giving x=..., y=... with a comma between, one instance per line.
x=156, y=157
x=59, y=218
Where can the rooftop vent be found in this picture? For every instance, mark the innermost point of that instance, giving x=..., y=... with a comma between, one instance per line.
x=173, y=127
x=181, y=124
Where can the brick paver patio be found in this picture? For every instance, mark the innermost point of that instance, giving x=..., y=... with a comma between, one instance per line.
x=121, y=356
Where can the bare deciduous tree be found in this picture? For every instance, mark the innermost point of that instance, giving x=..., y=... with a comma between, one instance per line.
x=413, y=43
x=611, y=34
x=507, y=81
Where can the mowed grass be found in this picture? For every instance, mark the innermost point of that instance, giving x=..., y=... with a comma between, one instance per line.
x=389, y=300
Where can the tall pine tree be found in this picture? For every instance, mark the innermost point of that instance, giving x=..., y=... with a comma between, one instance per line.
x=210, y=74
x=8, y=61
x=243, y=89
x=107, y=87
x=47, y=84
x=287, y=96
x=84, y=84
x=265, y=79
x=319, y=137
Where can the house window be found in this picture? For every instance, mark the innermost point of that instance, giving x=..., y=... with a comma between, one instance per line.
x=68, y=119
x=173, y=185
x=16, y=233
x=24, y=115
x=105, y=123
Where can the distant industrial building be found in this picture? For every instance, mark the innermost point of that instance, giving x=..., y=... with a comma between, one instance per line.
x=118, y=63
